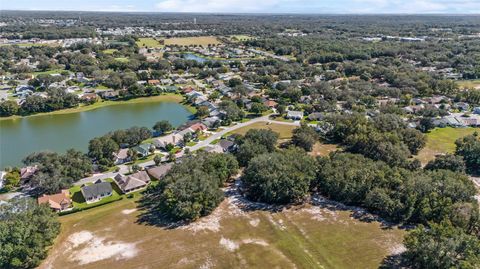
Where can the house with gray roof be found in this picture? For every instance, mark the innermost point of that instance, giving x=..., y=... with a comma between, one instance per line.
x=97, y=191
x=159, y=172
x=132, y=182
x=294, y=115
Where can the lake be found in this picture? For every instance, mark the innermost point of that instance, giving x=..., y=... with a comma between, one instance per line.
x=20, y=137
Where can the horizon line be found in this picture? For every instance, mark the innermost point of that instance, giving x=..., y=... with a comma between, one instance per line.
x=244, y=13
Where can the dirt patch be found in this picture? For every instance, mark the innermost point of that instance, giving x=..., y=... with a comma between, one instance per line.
x=85, y=248
x=128, y=211
x=209, y=223
x=229, y=244
x=254, y=222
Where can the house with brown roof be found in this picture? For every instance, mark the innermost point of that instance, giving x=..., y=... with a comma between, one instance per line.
x=27, y=172
x=132, y=182
x=121, y=156
x=59, y=202
x=153, y=82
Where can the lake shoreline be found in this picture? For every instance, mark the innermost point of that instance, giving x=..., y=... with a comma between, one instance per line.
x=169, y=97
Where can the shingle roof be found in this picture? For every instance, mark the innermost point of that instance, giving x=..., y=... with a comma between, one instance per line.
x=160, y=171
x=96, y=189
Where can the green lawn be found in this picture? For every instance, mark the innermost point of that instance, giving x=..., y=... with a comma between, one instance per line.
x=109, y=51
x=442, y=140
x=285, y=131
x=49, y=72
x=122, y=59
x=79, y=200
x=148, y=42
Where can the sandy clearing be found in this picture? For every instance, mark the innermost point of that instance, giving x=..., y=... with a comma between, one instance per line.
x=85, y=248
x=260, y=242
x=128, y=211
x=229, y=244
x=254, y=222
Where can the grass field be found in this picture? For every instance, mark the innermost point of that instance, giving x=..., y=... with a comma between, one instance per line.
x=475, y=84
x=311, y=236
x=122, y=59
x=320, y=149
x=49, y=72
x=442, y=140
x=148, y=42
x=190, y=41
x=285, y=131
x=240, y=38
x=109, y=51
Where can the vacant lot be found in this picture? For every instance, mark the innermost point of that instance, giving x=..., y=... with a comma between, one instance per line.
x=320, y=149
x=442, y=140
x=238, y=234
x=284, y=130
x=470, y=84
x=190, y=41
x=148, y=42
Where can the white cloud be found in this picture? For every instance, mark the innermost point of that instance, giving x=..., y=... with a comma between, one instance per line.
x=237, y=6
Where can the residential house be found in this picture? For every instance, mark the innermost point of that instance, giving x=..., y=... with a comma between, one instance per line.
x=270, y=103
x=110, y=94
x=121, y=156
x=132, y=182
x=211, y=121
x=159, y=172
x=294, y=115
x=153, y=82
x=162, y=142
x=59, y=202
x=27, y=172
x=89, y=97
x=143, y=149
x=462, y=106
x=315, y=116
x=227, y=145
x=97, y=191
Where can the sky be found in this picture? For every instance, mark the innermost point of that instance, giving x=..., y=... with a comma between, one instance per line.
x=254, y=6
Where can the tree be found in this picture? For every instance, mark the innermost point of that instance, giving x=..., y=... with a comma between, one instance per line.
x=258, y=108
x=102, y=149
x=162, y=126
x=469, y=148
x=157, y=159
x=442, y=246
x=202, y=112
x=426, y=124
x=255, y=142
x=9, y=108
x=304, y=137
x=414, y=140
x=26, y=230
x=279, y=177
x=192, y=188
x=448, y=162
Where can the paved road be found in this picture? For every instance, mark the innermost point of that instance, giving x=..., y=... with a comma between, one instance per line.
x=125, y=169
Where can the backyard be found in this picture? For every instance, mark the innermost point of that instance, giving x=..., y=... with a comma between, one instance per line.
x=238, y=234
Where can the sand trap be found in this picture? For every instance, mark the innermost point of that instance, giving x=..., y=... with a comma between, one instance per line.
x=86, y=248
x=229, y=244
x=128, y=211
